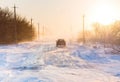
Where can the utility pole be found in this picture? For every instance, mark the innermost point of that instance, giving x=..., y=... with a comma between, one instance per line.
x=31, y=22
x=71, y=38
x=43, y=32
x=15, y=24
x=83, y=30
x=38, y=31
x=104, y=38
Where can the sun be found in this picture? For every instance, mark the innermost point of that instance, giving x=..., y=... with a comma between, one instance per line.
x=103, y=13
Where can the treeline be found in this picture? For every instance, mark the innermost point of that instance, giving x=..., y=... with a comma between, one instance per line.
x=107, y=34
x=14, y=30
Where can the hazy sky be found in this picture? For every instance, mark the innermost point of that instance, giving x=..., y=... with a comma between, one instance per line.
x=63, y=18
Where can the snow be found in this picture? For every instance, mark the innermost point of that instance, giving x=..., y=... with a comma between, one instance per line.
x=43, y=62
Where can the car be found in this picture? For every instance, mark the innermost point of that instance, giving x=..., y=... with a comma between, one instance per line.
x=61, y=43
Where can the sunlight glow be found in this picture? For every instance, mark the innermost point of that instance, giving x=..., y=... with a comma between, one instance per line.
x=103, y=13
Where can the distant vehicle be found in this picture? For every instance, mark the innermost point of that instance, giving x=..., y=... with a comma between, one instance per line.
x=60, y=43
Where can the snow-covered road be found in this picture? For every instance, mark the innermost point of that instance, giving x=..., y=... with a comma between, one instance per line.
x=36, y=62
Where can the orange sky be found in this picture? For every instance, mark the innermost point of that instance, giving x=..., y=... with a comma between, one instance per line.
x=63, y=18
